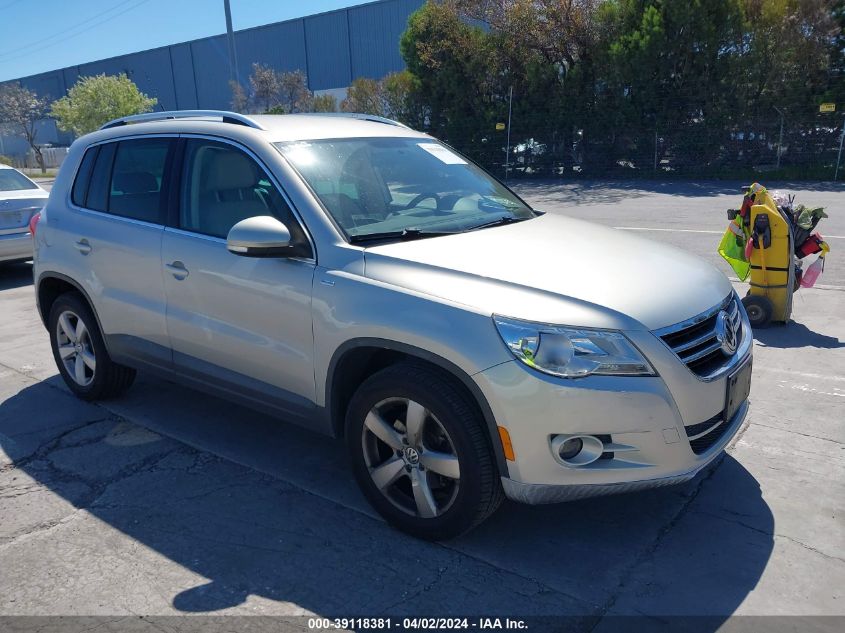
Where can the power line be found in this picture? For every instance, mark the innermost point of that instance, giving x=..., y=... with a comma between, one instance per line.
x=68, y=29
x=23, y=51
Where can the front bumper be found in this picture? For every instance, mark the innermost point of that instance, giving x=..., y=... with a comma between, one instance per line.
x=645, y=424
x=15, y=246
x=549, y=493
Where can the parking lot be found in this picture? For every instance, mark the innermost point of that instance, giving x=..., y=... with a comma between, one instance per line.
x=168, y=501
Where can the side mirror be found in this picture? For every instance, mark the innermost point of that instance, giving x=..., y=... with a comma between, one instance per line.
x=261, y=236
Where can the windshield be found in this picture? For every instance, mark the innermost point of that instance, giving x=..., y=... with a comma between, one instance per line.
x=11, y=180
x=401, y=186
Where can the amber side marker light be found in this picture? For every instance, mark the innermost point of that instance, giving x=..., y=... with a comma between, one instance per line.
x=507, y=446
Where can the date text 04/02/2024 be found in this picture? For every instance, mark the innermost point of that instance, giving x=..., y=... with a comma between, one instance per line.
x=411, y=624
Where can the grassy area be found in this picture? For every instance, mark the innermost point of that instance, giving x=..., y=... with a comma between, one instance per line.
x=36, y=173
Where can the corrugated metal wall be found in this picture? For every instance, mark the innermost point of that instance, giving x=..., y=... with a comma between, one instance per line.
x=331, y=48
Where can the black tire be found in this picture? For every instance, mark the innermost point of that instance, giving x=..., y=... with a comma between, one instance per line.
x=475, y=495
x=107, y=379
x=759, y=310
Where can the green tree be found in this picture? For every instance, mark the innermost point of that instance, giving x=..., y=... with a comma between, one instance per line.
x=294, y=95
x=275, y=92
x=22, y=109
x=363, y=96
x=458, y=79
x=400, y=98
x=394, y=96
x=324, y=103
x=629, y=84
x=673, y=64
x=93, y=101
x=265, y=85
x=240, y=101
x=791, y=62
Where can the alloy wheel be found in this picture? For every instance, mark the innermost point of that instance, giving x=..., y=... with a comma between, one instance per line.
x=410, y=457
x=76, y=348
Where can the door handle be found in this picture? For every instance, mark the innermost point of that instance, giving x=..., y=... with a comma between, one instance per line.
x=82, y=246
x=177, y=269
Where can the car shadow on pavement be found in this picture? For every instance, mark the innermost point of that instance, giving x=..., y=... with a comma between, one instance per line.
x=15, y=276
x=269, y=511
x=795, y=335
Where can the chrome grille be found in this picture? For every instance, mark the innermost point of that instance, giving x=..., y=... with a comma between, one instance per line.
x=695, y=342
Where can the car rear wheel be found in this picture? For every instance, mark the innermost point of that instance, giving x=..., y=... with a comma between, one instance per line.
x=420, y=452
x=80, y=353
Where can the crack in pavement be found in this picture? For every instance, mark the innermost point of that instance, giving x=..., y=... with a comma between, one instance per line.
x=649, y=551
x=815, y=437
x=441, y=571
x=41, y=452
x=38, y=529
x=773, y=535
x=809, y=547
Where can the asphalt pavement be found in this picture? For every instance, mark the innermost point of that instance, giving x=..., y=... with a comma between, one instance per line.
x=167, y=501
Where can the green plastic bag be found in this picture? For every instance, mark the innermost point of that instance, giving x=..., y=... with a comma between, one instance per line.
x=808, y=218
x=732, y=248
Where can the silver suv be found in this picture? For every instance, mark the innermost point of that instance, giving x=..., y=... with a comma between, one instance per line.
x=365, y=280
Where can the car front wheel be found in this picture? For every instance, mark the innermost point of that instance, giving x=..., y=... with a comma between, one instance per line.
x=420, y=452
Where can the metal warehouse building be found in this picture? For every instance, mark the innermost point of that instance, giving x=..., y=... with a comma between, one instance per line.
x=331, y=48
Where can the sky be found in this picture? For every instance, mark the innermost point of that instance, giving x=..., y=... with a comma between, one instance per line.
x=41, y=35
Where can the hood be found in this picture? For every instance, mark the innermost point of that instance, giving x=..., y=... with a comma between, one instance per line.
x=556, y=269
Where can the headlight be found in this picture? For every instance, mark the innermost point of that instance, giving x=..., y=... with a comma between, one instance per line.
x=572, y=352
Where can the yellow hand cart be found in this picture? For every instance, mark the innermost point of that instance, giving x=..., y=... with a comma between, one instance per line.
x=764, y=243
x=770, y=253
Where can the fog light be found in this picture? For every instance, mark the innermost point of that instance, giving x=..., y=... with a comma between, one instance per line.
x=570, y=448
x=576, y=450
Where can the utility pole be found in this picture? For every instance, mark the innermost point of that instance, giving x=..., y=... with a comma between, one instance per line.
x=780, y=138
x=233, y=57
x=508, y=147
x=839, y=156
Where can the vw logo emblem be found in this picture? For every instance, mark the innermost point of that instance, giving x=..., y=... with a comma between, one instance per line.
x=411, y=456
x=726, y=332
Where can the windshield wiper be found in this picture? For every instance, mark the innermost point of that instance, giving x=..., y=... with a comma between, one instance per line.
x=505, y=219
x=403, y=235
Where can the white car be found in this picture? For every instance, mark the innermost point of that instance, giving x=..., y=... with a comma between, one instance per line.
x=20, y=199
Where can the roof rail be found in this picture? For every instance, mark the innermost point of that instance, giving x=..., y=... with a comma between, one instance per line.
x=361, y=116
x=227, y=117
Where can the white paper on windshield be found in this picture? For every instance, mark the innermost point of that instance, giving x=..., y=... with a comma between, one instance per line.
x=443, y=153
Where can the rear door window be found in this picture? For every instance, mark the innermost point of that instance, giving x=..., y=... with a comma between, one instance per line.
x=138, y=174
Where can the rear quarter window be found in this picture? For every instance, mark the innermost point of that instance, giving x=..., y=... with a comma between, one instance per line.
x=98, y=190
x=83, y=177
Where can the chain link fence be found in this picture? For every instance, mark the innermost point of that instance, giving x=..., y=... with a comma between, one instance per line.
x=794, y=138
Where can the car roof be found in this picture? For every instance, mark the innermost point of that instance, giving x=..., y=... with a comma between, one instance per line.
x=313, y=126
x=273, y=127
